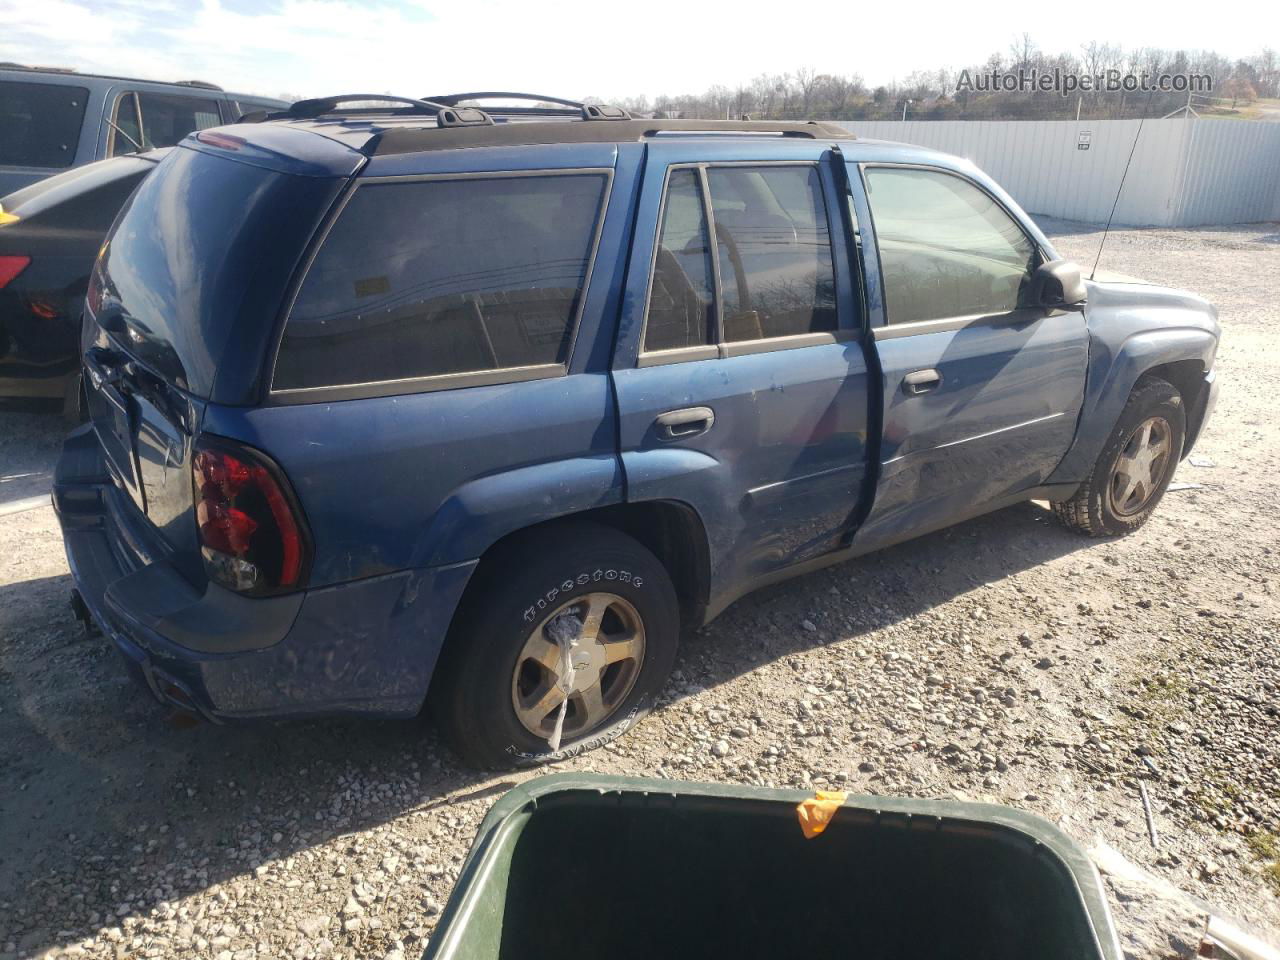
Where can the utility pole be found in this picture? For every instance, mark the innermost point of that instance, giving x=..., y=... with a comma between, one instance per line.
x=1079, y=104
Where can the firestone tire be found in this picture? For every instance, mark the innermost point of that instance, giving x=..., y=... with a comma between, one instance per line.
x=527, y=593
x=1147, y=442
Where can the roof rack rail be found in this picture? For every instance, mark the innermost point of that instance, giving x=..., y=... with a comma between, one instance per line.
x=202, y=84
x=404, y=139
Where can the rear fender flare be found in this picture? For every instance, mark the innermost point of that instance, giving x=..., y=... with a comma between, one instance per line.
x=482, y=511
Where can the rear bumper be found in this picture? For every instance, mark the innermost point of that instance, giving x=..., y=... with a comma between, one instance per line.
x=367, y=647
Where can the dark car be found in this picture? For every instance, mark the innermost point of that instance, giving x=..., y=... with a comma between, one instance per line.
x=50, y=233
x=483, y=410
x=52, y=119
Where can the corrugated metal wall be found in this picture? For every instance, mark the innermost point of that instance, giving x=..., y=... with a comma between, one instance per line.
x=1184, y=172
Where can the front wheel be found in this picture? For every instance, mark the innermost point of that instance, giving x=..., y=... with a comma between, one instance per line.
x=1135, y=466
x=562, y=643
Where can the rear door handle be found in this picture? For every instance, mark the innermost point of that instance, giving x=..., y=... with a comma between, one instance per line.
x=682, y=424
x=921, y=381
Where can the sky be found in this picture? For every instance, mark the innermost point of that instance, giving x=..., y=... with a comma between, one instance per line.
x=574, y=49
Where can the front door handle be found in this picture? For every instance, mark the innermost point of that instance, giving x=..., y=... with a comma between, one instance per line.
x=683, y=424
x=921, y=381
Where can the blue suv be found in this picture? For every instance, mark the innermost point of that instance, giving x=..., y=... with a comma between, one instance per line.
x=481, y=409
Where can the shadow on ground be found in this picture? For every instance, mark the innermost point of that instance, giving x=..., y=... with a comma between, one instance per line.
x=30, y=440
x=97, y=782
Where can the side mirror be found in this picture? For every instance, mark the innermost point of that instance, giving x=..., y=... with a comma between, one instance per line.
x=1057, y=284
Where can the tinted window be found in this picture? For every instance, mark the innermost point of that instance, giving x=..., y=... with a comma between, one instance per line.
x=776, y=271
x=418, y=279
x=61, y=188
x=85, y=213
x=681, y=298
x=946, y=248
x=197, y=267
x=40, y=123
x=166, y=119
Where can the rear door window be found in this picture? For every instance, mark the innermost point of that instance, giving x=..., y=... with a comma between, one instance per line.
x=682, y=293
x=777, y=276
x=167, y=119
x=126, y=131
x=146, y=120
x=773, y=258
x=40, y=123
x=434, y=277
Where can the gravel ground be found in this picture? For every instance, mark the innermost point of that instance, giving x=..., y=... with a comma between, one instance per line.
x=1004, y=659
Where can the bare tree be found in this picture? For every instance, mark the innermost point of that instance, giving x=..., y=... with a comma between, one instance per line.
x=808, y=94
x=806, y=80
x=1024, y=51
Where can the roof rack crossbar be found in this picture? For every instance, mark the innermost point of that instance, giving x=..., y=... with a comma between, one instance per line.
x=453, y=99
x=319, y=106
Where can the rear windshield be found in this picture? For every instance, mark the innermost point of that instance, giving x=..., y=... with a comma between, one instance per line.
x=40, y=123
x=64, y=188
x=193, y=275
x=452, y=276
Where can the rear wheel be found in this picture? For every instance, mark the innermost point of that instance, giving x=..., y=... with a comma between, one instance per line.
x=563, y=641
x=1135, y=466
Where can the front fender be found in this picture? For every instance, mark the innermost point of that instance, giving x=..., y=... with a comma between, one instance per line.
x=480, y=512
x=1133, y=329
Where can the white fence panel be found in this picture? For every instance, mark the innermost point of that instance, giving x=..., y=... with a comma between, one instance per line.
x=1183, y=172
x=1233, y=173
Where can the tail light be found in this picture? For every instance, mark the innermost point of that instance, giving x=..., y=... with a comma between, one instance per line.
x=10, y=267
x=252, y=535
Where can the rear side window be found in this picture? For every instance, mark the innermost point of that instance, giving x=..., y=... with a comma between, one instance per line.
x=444, y=276
x=40, y=123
